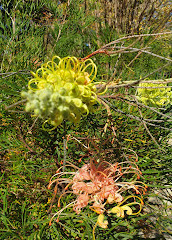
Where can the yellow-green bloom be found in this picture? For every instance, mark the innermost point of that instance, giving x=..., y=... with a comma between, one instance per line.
x=101, y=222
x=62, y=89
x=120, y=210
x=154, y=94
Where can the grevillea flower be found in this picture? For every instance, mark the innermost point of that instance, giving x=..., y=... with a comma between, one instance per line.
x=120, y=208
x=101, y=185
x=101, y=222
x=62, y=89
x=153, y=94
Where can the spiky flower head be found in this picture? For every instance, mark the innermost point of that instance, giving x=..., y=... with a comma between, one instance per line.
x=154, y=94
x=102, y=186
x=62, y=89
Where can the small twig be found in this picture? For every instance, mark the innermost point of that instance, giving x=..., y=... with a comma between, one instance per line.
x=138, y=54
x=80, y=142
x=154, y=81
x=114, y=73
x=15, y=111
x=152, y=87
x=133, y=103
x=116, y=64
x=138, y=81
x=134, y=36
x=154, y=120
x=139, y=50
x=109, y=119
x=20, y=71
x=154, y=125
x=151, y=108
x=101, y=50
x=8, y=74
x=64, y=147
x=147, y=129
x=15, y=104
x=22, y=139
x=131, y=116
x=64, y=153
x=95, y=53
x=53, y=199
x=30, y=129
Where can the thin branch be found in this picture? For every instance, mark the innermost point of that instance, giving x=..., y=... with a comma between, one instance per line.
x=131, y=116
x=22, y=139
x=8, y=74
x=151, y=108
x=145, y=126
x=115, y=67
x=64, y=153
x=80, y=142
x=102, y=50
x=138, y=81
x=64, y=147
x=134, y=36
x=20, y=71
x=140, y=104
x=14, y=111
x=154, y=120
x=15, y=104
x=139, y=53
x=54, y=196
x=30, y=129
x=139, y=50
x=152, y=87
x=111, y=84
x=154, y=81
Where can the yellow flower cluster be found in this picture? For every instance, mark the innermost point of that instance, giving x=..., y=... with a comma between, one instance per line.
x=62, y=89
x=154, y=94
x=119, y=210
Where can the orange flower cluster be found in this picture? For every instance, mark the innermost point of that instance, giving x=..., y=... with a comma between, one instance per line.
x=99, y=184
x=95, y=185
